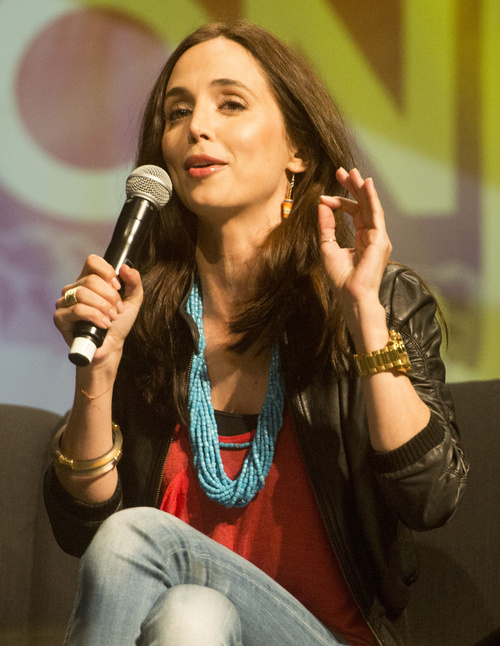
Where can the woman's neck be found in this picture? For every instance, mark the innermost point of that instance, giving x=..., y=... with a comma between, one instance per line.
x=225, y=258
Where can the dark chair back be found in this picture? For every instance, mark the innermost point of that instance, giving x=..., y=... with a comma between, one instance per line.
x=456, y=600
x=37, y=579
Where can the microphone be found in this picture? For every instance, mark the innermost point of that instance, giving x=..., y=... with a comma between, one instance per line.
x=148, y=189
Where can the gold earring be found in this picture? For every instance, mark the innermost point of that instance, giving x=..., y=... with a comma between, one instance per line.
x=286, y=205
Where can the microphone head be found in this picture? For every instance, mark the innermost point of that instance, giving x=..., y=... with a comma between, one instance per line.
x=150, y=182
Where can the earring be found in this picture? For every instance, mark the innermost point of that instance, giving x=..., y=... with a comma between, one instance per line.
x=286, y=205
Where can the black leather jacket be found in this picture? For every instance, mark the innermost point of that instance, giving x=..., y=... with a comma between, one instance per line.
x=369, y=501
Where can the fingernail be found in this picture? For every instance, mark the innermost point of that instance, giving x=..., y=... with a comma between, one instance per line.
x=115, y=282
x=106, y=322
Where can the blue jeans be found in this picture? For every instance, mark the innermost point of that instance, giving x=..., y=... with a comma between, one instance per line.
x=149, y=579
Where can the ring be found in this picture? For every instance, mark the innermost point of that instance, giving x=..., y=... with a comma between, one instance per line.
x=329, y=240
x=70, y=296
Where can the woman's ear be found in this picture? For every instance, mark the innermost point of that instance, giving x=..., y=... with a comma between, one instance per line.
x=297, y=163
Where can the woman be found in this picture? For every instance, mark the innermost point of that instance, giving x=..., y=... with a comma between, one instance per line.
x=312, y=472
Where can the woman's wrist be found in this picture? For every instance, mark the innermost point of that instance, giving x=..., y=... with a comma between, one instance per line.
x=368, y=327
x=95, y=380
x=88, y=430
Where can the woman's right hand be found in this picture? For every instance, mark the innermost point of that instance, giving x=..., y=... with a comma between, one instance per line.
x=104, y=303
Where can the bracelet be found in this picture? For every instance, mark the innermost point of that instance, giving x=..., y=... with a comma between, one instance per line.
x=88, y=468
x=92, y=397
x=392, y=356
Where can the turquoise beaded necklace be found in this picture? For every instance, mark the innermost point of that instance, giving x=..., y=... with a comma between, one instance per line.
x=203, y=433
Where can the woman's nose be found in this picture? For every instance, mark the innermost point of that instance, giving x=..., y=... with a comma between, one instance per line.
x=200, y=126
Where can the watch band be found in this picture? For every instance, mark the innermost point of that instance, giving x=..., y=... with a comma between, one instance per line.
x=393, y=356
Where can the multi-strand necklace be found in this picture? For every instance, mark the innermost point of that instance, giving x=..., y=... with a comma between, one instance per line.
x=204, y=437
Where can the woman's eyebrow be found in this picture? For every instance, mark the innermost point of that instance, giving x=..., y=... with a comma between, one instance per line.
x=177, y=91
x=221, y=82
x=224, y=82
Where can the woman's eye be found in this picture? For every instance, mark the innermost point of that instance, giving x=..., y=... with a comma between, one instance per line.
x=177, y=113
x=232, y=105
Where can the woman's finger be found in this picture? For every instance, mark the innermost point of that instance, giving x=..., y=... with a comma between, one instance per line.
x=371, y=213
x=97, y=265
x=343, y=203
x=110, y=306
x=326, y=223
x=374, y=204
x=65, y=319
x=350, y=181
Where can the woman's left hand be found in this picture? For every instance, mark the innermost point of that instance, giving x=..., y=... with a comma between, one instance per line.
x=356, y=273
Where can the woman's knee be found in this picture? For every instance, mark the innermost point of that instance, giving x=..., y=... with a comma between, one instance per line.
x=120, y=538
x=117, y=531
x=136, y=534
x=192, y=614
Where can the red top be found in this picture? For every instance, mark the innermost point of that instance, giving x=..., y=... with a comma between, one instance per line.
x=280, y=530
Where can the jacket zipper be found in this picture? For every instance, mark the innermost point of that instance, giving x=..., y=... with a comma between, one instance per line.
x=167, y=450
x=331, y=537
x=195, y=334
x=160, y=479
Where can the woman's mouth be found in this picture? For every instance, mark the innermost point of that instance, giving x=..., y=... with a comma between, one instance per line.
x=203, y=165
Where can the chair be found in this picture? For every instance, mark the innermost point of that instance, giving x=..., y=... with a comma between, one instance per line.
x=37, y=579
x=456, y=599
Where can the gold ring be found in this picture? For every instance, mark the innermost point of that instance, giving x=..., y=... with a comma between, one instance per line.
x=70, y=296
x=329, y=240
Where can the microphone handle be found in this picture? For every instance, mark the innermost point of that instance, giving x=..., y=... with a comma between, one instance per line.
x=128, y=236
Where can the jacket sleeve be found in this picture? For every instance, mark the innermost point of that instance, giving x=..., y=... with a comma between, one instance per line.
x=424, y=479
x=74, y=523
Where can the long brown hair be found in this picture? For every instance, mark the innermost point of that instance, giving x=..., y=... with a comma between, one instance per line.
x=292, y=292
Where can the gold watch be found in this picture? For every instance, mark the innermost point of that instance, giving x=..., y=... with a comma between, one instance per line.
x=393, y=356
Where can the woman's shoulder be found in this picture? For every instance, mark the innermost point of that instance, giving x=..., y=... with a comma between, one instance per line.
x=402, y=281
x=404, y=294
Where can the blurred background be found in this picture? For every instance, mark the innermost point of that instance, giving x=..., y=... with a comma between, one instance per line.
x=418, y=82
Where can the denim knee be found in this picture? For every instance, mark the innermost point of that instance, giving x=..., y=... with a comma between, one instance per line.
x=117, y=539
x=192, y=614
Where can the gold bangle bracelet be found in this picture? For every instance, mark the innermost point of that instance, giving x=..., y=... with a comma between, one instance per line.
x=88, y=468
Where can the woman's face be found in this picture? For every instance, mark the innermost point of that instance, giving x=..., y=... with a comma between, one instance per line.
x=225, y=144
